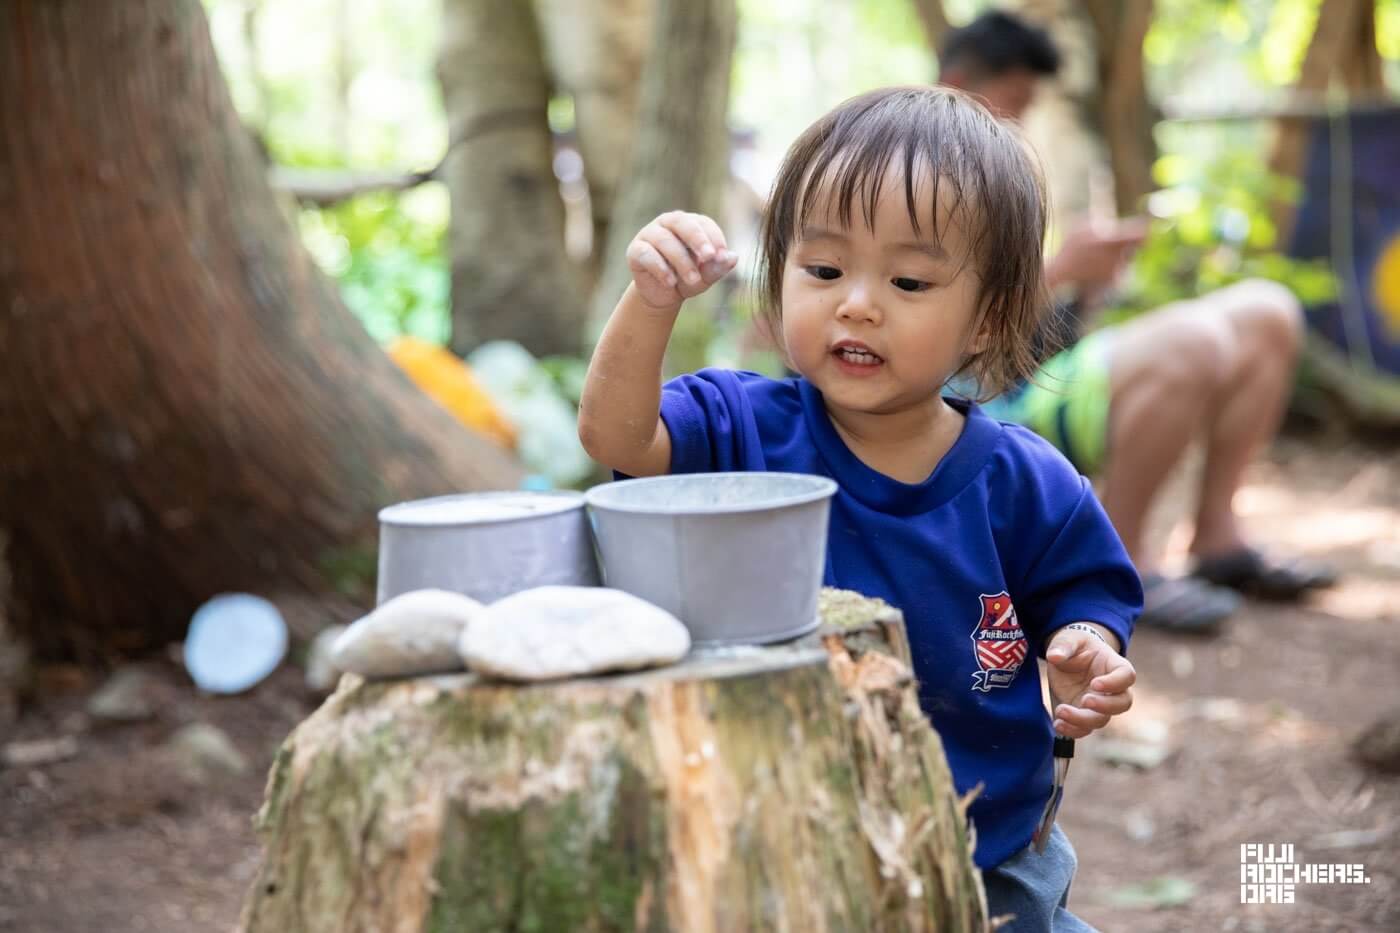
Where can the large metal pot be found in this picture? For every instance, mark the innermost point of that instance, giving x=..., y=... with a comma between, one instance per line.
x=485, y=545
x=738, y=557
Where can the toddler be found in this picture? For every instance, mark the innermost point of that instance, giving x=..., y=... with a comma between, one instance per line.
x=902, y=247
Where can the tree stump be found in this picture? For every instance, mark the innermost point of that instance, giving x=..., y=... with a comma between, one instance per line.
x=796, y=787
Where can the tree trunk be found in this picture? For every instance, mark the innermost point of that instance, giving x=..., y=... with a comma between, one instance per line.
x=186, y=407
x=935, y=21
x=1343, y=45
x=511, y=278
x=595, y=50
x=1364, y=71
x=680, y=153
x=14, y=653
x=786, y=788
x=1124, y=116
x=1061, y=124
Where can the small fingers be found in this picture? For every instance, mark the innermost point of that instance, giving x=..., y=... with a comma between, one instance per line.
x=719, y=267
x=1110, y=705
x=1117, y=680
x=715, y=234
x=689, y=229
x=705, y=241
x=1076, y=722
x=677, y=255
x=725, y=259
x=647, y=260
x=1071, y=731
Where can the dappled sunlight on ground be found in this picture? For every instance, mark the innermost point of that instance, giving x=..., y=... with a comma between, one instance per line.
x=1248, y=734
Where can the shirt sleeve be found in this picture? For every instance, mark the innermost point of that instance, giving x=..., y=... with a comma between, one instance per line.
x=1082, y=574
x=711, y=422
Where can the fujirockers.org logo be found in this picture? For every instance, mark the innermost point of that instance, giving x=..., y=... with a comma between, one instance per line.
x=1269, y=873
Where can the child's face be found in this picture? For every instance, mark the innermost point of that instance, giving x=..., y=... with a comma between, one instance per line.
x=879, y=320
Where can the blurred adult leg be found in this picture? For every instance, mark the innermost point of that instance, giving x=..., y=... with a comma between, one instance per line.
x=1267, y=323
x=1217, y=368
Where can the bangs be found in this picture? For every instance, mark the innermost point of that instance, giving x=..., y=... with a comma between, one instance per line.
x=850, y=176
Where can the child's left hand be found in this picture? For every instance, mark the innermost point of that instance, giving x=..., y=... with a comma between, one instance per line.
x=1089, y=682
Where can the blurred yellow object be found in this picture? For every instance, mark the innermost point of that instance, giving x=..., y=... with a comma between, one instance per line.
x=1387, y=285
x=449, y=382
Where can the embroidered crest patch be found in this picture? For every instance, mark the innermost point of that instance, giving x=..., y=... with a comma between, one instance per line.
x=998, y=643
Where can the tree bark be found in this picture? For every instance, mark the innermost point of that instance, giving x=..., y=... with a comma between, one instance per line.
x=679, y=157
x=935, y=22
x=1363, y=71
x=787, y=788
x=14, y=653
x=1343, y=45
x=511, y=278
x=1061, y=124
x=595, y=50
x=328, y=187
x=1124, y=115
x=186, y=407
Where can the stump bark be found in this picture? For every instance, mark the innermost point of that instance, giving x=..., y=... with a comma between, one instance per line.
x=785, y=788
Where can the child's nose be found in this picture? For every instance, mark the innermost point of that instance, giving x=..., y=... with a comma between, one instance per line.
x=858, y=305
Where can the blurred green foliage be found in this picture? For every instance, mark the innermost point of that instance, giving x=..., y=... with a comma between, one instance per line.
x=567, y=373
x=337, y=84
x=387, y=252
x=1212, y=226
x=1255, y=47
x=284, y=63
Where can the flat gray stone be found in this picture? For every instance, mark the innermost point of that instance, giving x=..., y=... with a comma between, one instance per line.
x=571, y=631
x=414, y=633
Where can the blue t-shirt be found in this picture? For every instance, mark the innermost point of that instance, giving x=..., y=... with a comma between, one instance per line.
x=1003, y=521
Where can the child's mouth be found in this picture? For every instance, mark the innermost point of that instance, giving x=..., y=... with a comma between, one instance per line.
x=856, y=360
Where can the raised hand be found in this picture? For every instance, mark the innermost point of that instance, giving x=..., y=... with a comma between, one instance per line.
x=678, y=256
x=1093, y=254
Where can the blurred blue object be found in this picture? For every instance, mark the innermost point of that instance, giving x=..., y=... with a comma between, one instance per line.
x=235, y=640
x=537, y=482
x=1350, y=214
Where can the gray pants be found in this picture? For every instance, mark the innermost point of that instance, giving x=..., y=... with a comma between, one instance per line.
x=1035, y=887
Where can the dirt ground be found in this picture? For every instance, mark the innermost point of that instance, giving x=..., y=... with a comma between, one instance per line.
x=1254, y=726
x=1257, y=726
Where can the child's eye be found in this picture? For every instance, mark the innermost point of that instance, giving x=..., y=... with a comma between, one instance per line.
x=825, y=273
x=911, y=285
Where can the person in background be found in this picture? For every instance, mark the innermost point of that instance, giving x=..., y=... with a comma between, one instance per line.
x=1124, y=402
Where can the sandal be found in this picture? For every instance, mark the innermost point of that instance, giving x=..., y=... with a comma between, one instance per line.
x=1257, y=574
x=1185, y=605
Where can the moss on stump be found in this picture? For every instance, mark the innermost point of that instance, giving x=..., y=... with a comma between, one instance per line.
x=782, y=788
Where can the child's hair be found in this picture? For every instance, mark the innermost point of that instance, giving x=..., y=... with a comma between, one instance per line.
x=981, y=163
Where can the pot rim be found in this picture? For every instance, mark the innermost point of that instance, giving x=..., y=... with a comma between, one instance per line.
x=400, y=514
x=822, y=487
